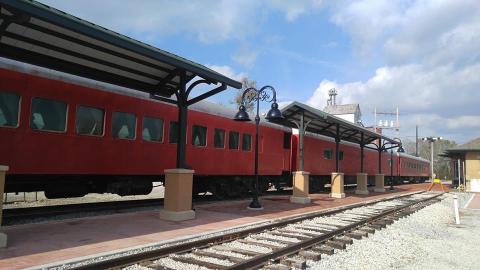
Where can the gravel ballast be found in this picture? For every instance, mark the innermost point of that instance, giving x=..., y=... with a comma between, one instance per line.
x=427, y=239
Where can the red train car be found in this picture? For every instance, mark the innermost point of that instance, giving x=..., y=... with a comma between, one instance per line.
x=319, y=160
x=70, y=136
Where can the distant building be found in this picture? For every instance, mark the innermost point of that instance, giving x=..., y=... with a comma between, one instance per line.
x=349, y=112
x=465, y=160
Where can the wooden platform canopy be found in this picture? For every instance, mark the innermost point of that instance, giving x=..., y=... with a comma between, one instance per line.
x=308, y=119
x=37, y=34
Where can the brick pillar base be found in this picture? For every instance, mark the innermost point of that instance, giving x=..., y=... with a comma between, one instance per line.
x=3, y=236
x=300, y=187
x=177, y=203
x=361, y=184
x=337, y=185
x=379, y=183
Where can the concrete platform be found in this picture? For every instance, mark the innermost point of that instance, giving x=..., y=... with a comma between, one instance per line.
x=474, y=203
x=37, y=244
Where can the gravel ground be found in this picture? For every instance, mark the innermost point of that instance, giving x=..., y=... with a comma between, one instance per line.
x=425, y=240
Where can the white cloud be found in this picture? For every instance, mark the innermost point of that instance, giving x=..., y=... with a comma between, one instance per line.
x=469, y=121
x=443, y=93
x=431, y=51
x=208, y=20
x=293, y=8
x=366, y=21
x=228, y=71
x=246, y=56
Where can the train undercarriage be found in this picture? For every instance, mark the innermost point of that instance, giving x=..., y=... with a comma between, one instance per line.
x=221, y=187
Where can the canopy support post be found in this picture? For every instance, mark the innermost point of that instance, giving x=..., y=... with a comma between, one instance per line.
x=337, y=148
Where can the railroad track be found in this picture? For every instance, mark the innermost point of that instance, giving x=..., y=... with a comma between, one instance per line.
x=16, y=215
x=285, y=244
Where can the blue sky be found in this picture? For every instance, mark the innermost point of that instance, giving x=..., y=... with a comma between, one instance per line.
x=422, y=56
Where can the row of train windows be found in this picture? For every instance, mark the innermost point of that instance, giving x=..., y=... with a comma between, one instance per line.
x=415, y=166
x=328, y=154
x=51, y=115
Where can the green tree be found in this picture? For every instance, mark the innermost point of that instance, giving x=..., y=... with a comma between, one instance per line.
x=441, y=165
x=246, y=83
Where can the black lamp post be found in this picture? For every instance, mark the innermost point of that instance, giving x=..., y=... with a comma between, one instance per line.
x=274, y=114
x=391, y=169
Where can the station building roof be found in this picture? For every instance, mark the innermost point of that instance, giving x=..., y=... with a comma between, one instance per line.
x=471, y=146
x=320, y=122
x=342, y=109
x=35, y=33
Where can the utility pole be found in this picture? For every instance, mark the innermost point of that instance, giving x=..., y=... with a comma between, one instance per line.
x=431, y=140
x=416, y=140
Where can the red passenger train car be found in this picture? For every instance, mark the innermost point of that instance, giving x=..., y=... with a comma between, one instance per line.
x=319, y=160
x=69, y=136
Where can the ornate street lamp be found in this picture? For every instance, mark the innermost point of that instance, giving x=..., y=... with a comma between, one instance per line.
x=274, y=114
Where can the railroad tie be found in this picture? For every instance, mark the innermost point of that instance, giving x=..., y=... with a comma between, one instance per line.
x=310, y=255
x=323, y=249
x=336, y=244
x=344, y=239
x=253, y=243
x=294, y=233
x=362, y=233
x=388, y=220
x=382, y=222
x=212, y=254
x=290, y=235
x=238, y=250
x=297, y=264
x=198, y=262
x=284, y=242
x=367, y=229
x=158, y=266
x=277, y=267
x=314, y=228
x=376, y=226
x=354, y=235
x=333, y=226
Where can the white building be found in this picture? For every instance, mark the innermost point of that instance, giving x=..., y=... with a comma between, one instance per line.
x=349, y=112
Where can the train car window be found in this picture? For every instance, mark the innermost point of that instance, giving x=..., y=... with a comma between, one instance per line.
x=89, y=121
x=123, y=125
x=246, y=142
x=340, y=155
x=287, y=140
x=327, y=153
x=219, y=138
x=199, y=135
x=9, y=109
x=233, y=140
x=48, y=115
x=173, y=132
x=152, y=130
